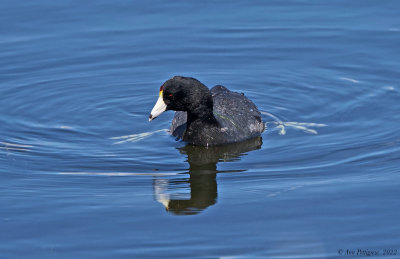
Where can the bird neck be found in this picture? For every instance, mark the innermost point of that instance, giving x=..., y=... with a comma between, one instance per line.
x=202, y=114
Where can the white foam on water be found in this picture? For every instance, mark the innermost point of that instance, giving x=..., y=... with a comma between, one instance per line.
x=303, y=126
x=350, y=80
x=14, y=147
x=136, y=137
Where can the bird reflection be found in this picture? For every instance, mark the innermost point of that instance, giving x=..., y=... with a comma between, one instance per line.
x=201, y=187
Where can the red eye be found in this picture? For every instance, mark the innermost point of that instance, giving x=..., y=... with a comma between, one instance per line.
x=170, y=95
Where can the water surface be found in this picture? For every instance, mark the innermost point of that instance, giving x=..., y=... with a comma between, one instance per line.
x=84, y=174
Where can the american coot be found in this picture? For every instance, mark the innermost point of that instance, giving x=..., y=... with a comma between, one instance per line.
x=207, y=117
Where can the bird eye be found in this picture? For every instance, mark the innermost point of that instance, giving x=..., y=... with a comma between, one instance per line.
x=170, y=95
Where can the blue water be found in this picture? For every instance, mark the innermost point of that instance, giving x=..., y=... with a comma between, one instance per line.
x=83, y=174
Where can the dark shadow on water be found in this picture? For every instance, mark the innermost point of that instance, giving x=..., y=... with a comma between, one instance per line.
x=202, y=183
